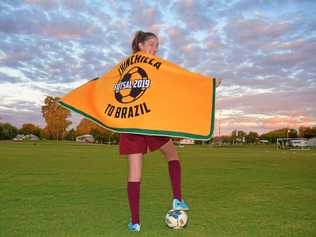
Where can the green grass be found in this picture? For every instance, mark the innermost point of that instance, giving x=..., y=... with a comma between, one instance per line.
x=67, y=189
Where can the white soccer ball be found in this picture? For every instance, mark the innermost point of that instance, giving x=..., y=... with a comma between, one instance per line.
x=176, y=219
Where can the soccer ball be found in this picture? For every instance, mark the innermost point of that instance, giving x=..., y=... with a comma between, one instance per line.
x=176, y=219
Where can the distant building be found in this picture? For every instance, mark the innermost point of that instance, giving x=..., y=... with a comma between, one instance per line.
x=186, y=141
x=312, y=142
x=31, y=137
x=19, y=137
x=264, y=141
x=87, y=138
x=298, y=143
x=28, y=137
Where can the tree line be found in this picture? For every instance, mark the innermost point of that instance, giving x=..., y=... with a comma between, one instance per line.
x=57, y=124
x=239, y=136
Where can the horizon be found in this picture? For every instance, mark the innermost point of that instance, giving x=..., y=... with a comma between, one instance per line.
x=264, y=50
x=74, y=126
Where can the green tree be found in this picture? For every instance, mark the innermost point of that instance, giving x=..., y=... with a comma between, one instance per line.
x=252, y=137
x=100, y=136
x=104, y=136
x=115, y=138
x=238, y=136
x=272, y=136
x=29, y=128
x=292, y=133
x=226, y=139
x=70, y=135
x=307, y=132
x=234, y=136
x=7, y=131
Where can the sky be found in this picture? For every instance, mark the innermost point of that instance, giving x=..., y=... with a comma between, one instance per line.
x=264, y=49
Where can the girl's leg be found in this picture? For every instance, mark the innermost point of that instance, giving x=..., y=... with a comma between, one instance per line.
x=135, y=163
x=174, y=168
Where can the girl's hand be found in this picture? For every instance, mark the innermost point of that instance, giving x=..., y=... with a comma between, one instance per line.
x=218, y=81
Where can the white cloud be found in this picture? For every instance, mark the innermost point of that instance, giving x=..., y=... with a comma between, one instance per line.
x=2, y=55
x=11, y=94
x=11, y=72
x=9, y=108
x=237, y=91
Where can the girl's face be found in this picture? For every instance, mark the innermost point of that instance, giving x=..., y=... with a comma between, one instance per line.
x=150, y=46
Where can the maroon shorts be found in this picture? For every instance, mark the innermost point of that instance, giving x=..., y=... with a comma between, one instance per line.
x=133, y=143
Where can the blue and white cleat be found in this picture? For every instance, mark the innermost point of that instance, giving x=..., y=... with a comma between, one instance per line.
x=179, y=205
x=133, y=227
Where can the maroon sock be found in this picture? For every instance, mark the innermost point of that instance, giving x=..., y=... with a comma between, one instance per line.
x=174, y=168
x=133, y=190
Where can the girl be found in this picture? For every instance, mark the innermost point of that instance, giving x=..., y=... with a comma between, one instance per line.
x=135, y=146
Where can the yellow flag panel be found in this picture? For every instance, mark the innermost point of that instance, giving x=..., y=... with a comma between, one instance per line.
x=147, y=95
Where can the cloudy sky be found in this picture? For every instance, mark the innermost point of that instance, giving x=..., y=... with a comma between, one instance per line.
x=265, y=51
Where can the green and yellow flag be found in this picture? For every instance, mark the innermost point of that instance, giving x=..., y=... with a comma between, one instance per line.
x=147, y=95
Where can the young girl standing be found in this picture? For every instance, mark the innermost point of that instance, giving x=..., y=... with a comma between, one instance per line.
x=135, y=146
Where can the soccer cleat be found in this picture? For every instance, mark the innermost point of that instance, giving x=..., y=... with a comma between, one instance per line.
x=179, y=205
x=134, y=227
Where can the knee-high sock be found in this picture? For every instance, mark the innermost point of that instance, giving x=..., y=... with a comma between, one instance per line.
x=133, y=191
x=174, y=168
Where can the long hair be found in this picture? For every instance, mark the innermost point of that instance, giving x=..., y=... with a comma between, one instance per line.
x=141, y=37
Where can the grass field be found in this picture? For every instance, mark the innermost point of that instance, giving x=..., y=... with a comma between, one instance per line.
x=67, y=189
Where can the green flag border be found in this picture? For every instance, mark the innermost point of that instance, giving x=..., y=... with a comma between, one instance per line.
x=151, y=132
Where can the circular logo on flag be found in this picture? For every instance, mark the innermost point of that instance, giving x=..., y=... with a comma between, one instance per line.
x=132, y=85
